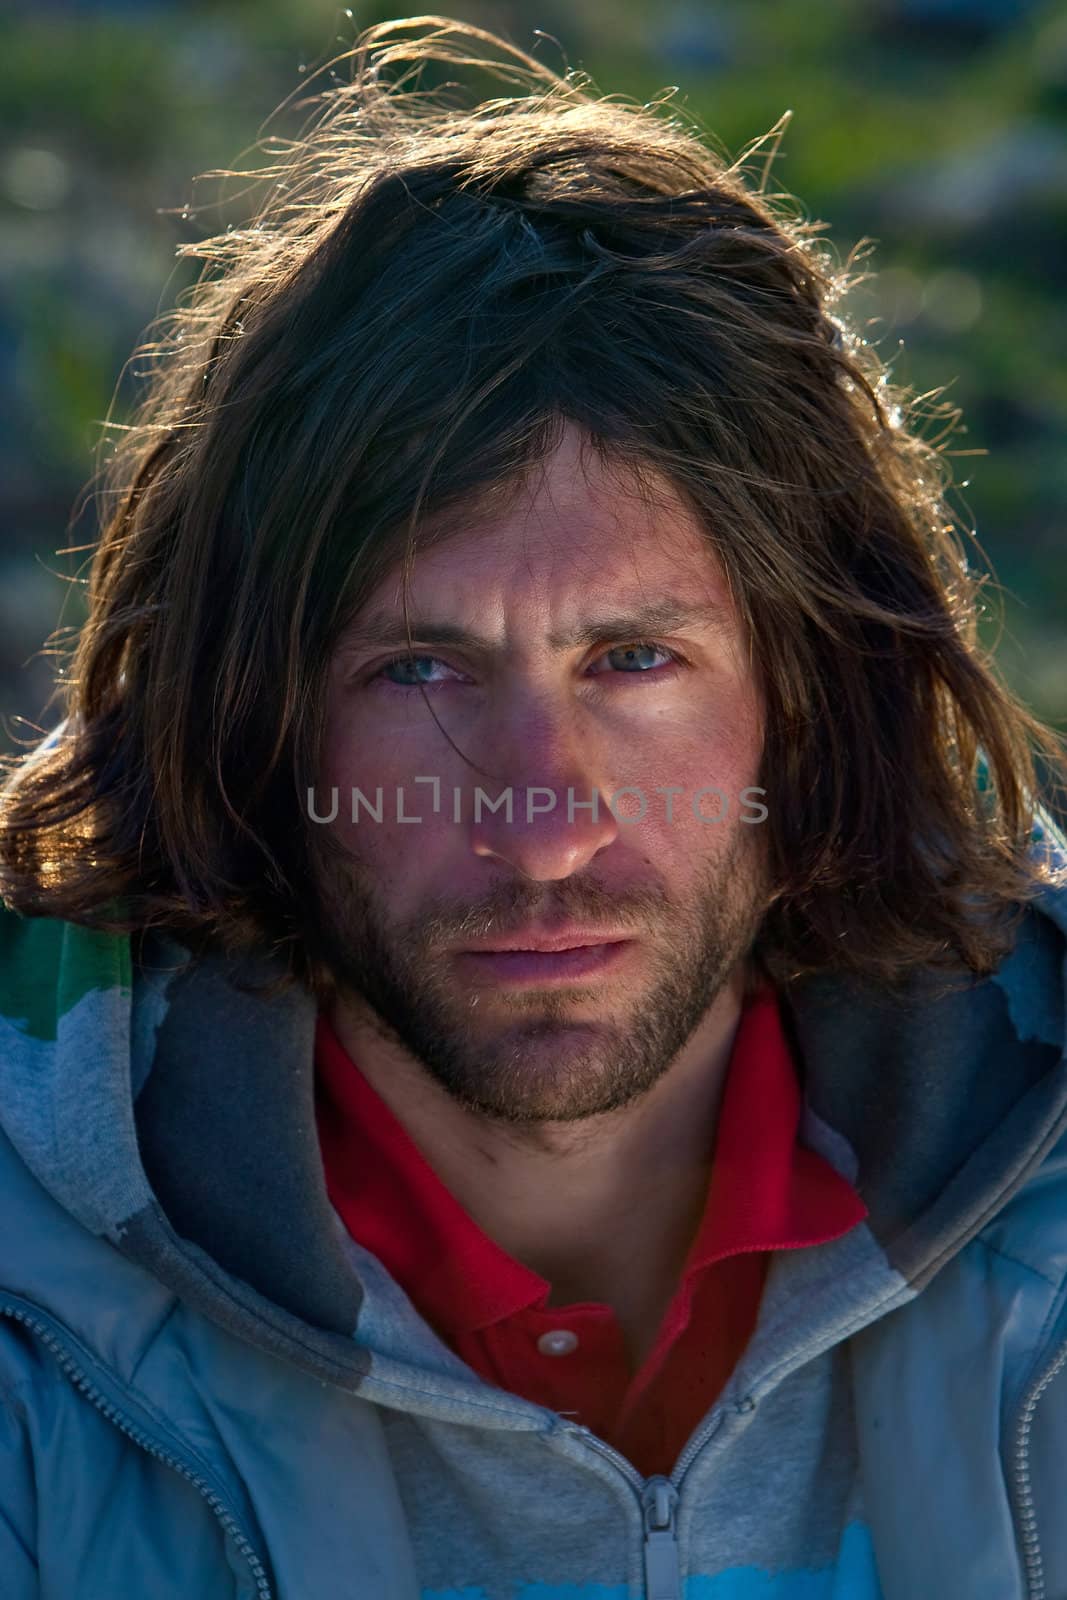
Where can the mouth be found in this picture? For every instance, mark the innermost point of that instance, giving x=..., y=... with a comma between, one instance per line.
x=540, y=960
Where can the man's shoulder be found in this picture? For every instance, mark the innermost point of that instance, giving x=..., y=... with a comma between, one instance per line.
x=48, y=966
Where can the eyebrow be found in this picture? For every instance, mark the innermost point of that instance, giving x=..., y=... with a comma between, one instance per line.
x=662, y=616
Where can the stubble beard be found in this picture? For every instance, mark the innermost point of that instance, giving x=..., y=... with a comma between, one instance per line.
x=532, y=1057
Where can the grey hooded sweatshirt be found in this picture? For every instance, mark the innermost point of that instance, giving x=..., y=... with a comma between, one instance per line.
x=208, y=1390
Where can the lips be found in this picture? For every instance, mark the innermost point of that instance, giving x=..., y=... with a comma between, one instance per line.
x=538, y=968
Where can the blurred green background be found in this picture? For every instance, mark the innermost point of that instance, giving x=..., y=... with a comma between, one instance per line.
x=937, y=128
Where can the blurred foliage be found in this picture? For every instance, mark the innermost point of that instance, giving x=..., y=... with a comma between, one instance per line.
x=936, y=128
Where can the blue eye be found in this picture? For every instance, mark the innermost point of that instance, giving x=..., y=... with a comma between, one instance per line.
x=637, y=649
x=407, y=669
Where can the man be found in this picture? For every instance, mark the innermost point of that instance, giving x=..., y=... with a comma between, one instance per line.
x=533, y=979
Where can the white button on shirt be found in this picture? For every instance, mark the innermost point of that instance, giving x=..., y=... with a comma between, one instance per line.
x=560, y=1342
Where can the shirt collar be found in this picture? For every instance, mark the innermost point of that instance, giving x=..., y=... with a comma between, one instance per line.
x=766, y=1191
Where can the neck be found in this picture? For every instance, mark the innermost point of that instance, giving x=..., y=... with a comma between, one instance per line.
x=604, y=1210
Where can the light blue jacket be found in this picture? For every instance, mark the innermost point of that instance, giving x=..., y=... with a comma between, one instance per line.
x=207, y=1390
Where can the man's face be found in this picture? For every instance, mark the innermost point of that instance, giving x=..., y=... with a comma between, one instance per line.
x=543, y=1037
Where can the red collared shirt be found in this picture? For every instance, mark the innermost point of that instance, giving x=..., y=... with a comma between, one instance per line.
x=766, y=1192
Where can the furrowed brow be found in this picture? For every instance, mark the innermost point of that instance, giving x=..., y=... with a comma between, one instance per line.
x=662, y=617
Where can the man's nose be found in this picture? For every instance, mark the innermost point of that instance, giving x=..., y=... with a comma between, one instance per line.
x=554, y=816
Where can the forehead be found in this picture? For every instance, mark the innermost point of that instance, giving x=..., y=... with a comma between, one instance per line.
x=578, y=533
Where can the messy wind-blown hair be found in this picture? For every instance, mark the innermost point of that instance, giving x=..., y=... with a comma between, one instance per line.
x=432, y=287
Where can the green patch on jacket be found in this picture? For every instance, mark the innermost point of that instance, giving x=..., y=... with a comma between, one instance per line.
x=47, y=966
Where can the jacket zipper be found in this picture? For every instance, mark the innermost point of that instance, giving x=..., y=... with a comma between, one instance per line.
x=1035, y=1570
x=659, y=1505
x=663, y=1573
x=41, y=1330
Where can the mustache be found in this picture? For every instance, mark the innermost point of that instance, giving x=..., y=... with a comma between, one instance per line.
x=565, y=902
x=508, y=908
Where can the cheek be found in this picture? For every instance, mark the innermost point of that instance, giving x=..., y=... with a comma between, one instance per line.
x=385, y=821
x=718, y=752
x=363, y=751
x=709, y=763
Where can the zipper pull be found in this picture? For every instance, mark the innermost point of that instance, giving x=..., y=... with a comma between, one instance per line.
x=663, y=1573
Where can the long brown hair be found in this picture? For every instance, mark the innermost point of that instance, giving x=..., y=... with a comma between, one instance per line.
x=428, y=291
